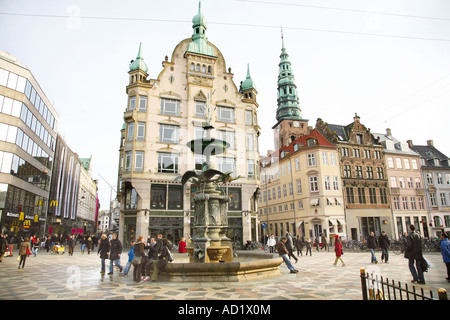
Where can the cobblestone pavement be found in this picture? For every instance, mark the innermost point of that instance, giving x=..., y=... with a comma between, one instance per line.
x=77, y=277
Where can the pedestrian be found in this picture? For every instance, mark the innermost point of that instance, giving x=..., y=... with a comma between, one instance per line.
x=324, y=242
x=372, y=245
x=48, y=243
x=3, y=247
x=317, y=243
x=137, y=260
x=24, y=252
x=299, y=245
x=83, y=244
x=284, y=253
x=71, y=244
x=182, y=245
x=309, y=244
x=89, y=244
x=445, y=251
x=103, y=251
x=384, y=243
x=290, y=246
x=116, y=251
x=413, y=252
x=35, y=247
x=271, y=243
x=163, y=259
x=338, y=251
x=152, y=256
x=127, y=267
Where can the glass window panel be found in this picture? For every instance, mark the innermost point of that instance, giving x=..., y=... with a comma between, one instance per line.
x=132, y=103
x=12, y=133
x=140, y=131
x=3, y=77
x=170, y=107
x=200, y=109
x=12, y=81
x=16, y=108
x=139, y=161
x=19, y=137
x=175, y=200
x=6, y=162
x=158, y=196
x=3, y=131
x=142, y=104
x=7, y=105
x=130, y=134
x=21, y=82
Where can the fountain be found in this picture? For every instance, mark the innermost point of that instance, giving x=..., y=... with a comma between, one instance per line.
x=211, y=255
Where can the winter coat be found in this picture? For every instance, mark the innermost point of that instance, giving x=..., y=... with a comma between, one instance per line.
x=139, y=249
x=299, y=243
x=338, y=248
x=104, y=248
x=131, y=254
x=383, y=242
x=371, y=242
x=289, y=242
x=116, y=249
x=445, y=250
x=163, y=258
x=281, y=248
x=23, y=248
x=3, y=245
x=413, y=248
x=182, y=247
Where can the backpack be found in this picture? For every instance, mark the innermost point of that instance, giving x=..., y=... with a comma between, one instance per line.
x=170, y=257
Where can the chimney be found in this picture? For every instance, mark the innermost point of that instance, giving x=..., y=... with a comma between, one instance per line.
x=430, y=143
x=410, y=143
x=388, y=132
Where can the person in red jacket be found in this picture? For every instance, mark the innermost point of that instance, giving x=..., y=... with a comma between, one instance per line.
x=182, y=245
x=338, y=251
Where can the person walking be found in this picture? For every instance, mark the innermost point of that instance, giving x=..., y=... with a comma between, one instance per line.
x=445, y=251
x=163, y=259
x=83, y=244
x=271, y=243
x=338, y=251
x=139, y=253
x=413, y=252
x=127, y=267
x=284, y=253
x=299, y=245
x=116, y=251
x=324, y=242
x=71, y=244
x=290, y=246
x=384, y=243
x=309, y=244
x=372, y=245
x=89, y=244
x=317, y=243
x=24, y=252
x=103, y=251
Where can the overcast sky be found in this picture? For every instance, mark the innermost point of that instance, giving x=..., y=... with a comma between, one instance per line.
x=387, y=61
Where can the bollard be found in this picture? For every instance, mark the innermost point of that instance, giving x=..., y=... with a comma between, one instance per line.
x=363, y=283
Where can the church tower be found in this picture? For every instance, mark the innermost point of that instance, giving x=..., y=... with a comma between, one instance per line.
x=290, y=124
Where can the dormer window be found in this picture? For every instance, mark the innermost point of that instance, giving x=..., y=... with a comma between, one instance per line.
x=437, y=162
x=311, y=142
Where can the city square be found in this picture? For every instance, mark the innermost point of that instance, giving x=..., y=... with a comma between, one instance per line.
x=63, y=277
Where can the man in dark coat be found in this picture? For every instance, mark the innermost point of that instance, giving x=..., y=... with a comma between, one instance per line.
x=413, y=252
x=384, y=243
x=103, y=250
x=283, y=253
x=114, y=256
x=372, y=245
x=290, y=246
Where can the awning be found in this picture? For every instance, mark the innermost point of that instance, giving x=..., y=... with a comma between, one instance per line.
x=338, y=201
x=299, y=223
x=333, y=222
x=314, y=202
x=341, y=221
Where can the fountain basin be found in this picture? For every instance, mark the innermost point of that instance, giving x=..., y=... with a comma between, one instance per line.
x=260, y=266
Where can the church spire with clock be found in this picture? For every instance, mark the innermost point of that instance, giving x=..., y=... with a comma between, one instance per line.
x=290, y=124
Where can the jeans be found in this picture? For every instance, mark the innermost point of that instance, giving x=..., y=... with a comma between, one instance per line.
x=114, y=262
x=34, y=250
x=385, y=255
x=417, y=275
x=287, y=261
x=127, y=267
x=374, y=259
x=103, y=265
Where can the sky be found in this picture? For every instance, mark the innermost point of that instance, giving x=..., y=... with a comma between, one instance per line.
x=387, y=61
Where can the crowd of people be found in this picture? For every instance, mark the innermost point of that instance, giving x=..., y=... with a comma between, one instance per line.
x=148, y=257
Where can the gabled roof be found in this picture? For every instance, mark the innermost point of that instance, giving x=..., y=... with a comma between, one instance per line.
x=430, y=153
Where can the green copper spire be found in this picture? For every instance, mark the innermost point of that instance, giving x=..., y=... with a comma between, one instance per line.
x=248, y=82
x=199, y=42
x=288, y=102
x=139, y=62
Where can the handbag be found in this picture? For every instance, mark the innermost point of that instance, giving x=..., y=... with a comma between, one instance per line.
x=136, y=260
